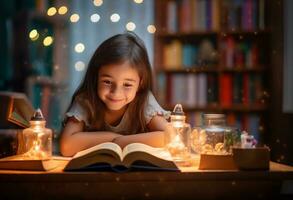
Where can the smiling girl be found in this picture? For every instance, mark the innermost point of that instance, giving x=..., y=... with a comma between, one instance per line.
x=114, y=102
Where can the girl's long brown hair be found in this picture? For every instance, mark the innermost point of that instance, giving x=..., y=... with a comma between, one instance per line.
x=117, y=49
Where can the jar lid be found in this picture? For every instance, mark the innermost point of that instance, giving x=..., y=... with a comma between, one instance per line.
x=178, y=110
x=38, y=116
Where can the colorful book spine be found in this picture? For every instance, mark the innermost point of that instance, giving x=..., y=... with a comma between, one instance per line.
x=226, y=90
x=173, y=55
x=185, y=16
x=172, y=17
x=237, y=89
x=191, y=89
x=202, y=90
x=215, y=15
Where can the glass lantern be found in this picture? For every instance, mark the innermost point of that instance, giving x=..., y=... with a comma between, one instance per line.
x=177, y=135
x=214, y=137
x=37, y=139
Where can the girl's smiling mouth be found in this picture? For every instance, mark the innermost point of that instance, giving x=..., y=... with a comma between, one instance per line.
x=114, y=100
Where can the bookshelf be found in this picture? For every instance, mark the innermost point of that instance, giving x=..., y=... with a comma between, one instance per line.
x=210, y=56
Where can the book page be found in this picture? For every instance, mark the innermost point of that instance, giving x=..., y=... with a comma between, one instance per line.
x=139, y=147
x=105, y=146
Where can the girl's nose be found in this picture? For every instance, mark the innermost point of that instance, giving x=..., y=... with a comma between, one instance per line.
x=116, y=90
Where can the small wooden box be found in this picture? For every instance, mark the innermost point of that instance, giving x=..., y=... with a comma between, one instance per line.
x=252, y=159
x=216, y=162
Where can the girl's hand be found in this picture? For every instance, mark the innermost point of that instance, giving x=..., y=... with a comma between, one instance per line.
x=154, y=139
x=122, y=141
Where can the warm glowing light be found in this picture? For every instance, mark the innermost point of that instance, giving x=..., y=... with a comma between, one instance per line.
x=115, y=17
x=95, y=18
x=35, y=38
x=151, y=29
x=34, y=35
x=98, y=2
x=62, y=10
x=48, y=41
x=79, y=48
x=79, y=66
x=51, y=11
x=177, y=148
x=130, y=26
x=74, y=18
x=138, y=1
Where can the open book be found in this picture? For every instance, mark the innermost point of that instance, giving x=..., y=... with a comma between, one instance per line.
x=20, y=162
x=133, y=156
x=15, y=109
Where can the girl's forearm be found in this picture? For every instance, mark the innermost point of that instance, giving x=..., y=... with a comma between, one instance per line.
x=82, y=140
x=155, y=139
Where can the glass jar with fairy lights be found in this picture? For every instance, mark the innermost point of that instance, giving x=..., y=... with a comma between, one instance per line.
x=177, y=135
x=37, y=139
x=214, y=137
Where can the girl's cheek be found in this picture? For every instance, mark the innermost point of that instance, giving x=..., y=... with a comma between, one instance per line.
x=103, y=89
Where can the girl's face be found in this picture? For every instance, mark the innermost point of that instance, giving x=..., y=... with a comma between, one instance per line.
x=117, y=85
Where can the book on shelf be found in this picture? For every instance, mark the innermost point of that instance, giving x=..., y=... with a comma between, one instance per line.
x=15, y=110
x=191, y=90
x=226, y=90
x=212, y=89
x=192, y=15
x=172, y=17
x=243, y=15
x=110, y=156
x=20, y=162
x=201, y=89
x=179, y=93
x=173, y=55
x=237, y=88
x=185, y=14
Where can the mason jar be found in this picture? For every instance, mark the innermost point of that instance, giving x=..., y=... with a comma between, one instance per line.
x=214, y=136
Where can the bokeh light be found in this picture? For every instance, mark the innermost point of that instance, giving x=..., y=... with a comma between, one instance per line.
x=115, y=17
x=130, y=26
x=48, y=41
x=74, y=18
x=79, y=66
x=51, y=11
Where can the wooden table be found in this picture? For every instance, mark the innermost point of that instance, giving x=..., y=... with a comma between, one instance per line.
x=192, y=184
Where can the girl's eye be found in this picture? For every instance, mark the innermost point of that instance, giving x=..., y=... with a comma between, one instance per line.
x=127, y=85
x=107, y=82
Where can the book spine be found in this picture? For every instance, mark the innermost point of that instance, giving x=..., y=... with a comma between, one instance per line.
x=261, y=20
x=191, y=90
x=172, y=19
x=215, y=15
x=194, y=15
x=245, y=89
x=208, y=25
x=173, y=55
x=212, y=89
x=184, y=16
x=202, y=90
x=226, y=90
x=237, y=89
